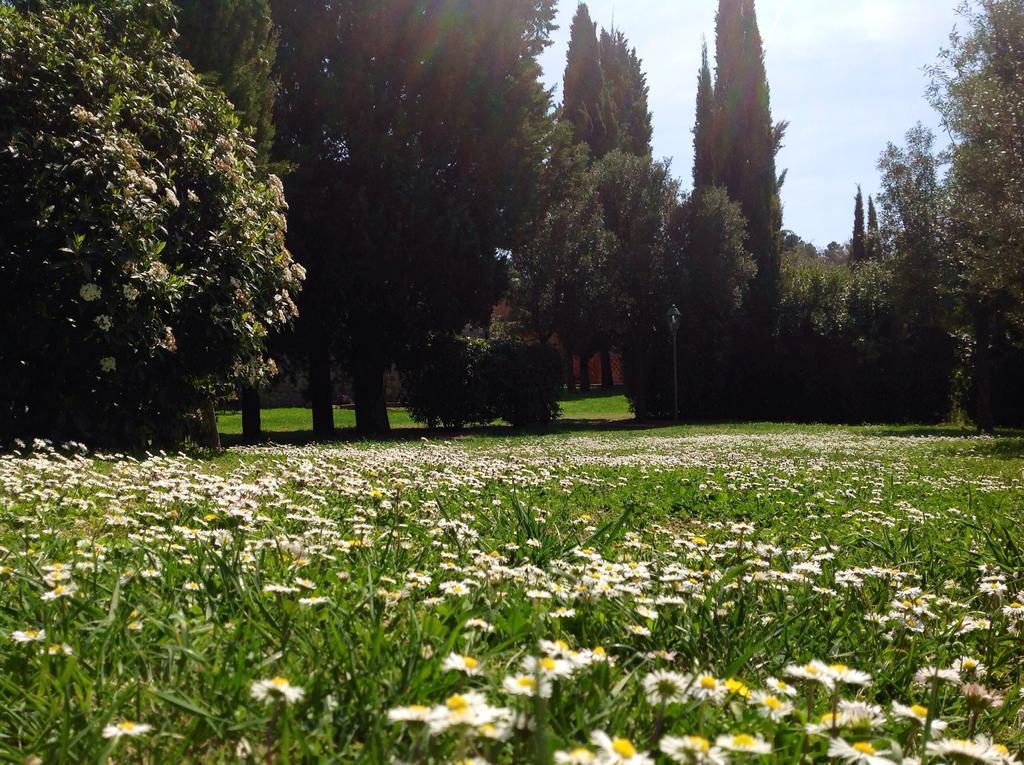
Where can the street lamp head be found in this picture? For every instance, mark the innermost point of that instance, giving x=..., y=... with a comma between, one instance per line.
x=674, y=318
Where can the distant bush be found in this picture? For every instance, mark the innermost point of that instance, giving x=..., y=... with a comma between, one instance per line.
x=445, y=388
x=458, y=381
x=523, y=382
x=142, y=259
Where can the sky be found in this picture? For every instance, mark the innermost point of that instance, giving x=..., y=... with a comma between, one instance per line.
x=848, y=75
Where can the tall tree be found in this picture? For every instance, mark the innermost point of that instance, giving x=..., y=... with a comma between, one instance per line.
x=978, y=87
x=306, y=139
x=233, y=43
x=872, y=242
x=858, y=244
x=746, y=144
x=747, y=140
x=913, y=202
x=626, y=94
x=416, y=164
x=584, y=96
x=638, y=197
x=704, y=129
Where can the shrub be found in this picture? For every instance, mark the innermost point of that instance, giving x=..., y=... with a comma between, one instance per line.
x=458, y=381
x=141, y=259
x=446, y=388
x=523, y=382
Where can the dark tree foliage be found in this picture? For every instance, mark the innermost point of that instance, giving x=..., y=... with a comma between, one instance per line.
x=585, y=102
x=414, y=164
x=638, y=196
x=704, y=129
x=708, y=242
x=626, y=94
x=858, y=244
x=873, y=238
x=848, y=355
x=914, y=224
x=560, y=277
x=233, y=44
x=746, y=144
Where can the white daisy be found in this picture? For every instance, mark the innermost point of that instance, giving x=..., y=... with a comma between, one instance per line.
x=277, y=688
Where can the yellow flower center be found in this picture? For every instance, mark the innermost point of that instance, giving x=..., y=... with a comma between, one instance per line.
x=1000, y=748
x=699, y=743
x=708, y=682
x=810, y=669
x=772, y=702
x=623, y=747
x=548, y=664
x=488, y=730
x=699, y=541
x=126, y=726
x=841, y=668
x=457, y=703
x=743, y=740
x=470, y=662
x=919, y=710
x=526, y=682
x=599, y=651
x=418, y=709
x=562, y=645
x=864, y=748
x=279, y=682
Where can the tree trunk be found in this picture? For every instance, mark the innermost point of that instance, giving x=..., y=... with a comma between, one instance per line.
x=607, y=378
x=585, y=373
x=211, y=436
x=252, y=427
x=570, y=373
x=321, y=396
x=983, y=413
x=371, y=404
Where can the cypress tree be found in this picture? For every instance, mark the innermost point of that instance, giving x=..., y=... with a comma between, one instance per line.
x=858, y=245
x=746, y=142
x=703, y=130
x=626, y=94
x=584, y=97
x=873, y=243
x=232, y=44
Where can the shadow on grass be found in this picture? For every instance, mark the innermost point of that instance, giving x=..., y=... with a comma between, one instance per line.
x=404, y=435
x=1005, y=443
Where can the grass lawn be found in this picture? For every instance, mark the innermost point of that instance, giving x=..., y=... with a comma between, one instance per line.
x=599, y=405
x=777, y=592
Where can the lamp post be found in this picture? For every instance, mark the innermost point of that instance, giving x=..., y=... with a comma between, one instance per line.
x=674, y=319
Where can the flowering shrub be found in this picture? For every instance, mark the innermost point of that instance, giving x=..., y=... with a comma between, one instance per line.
x=142, y=261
